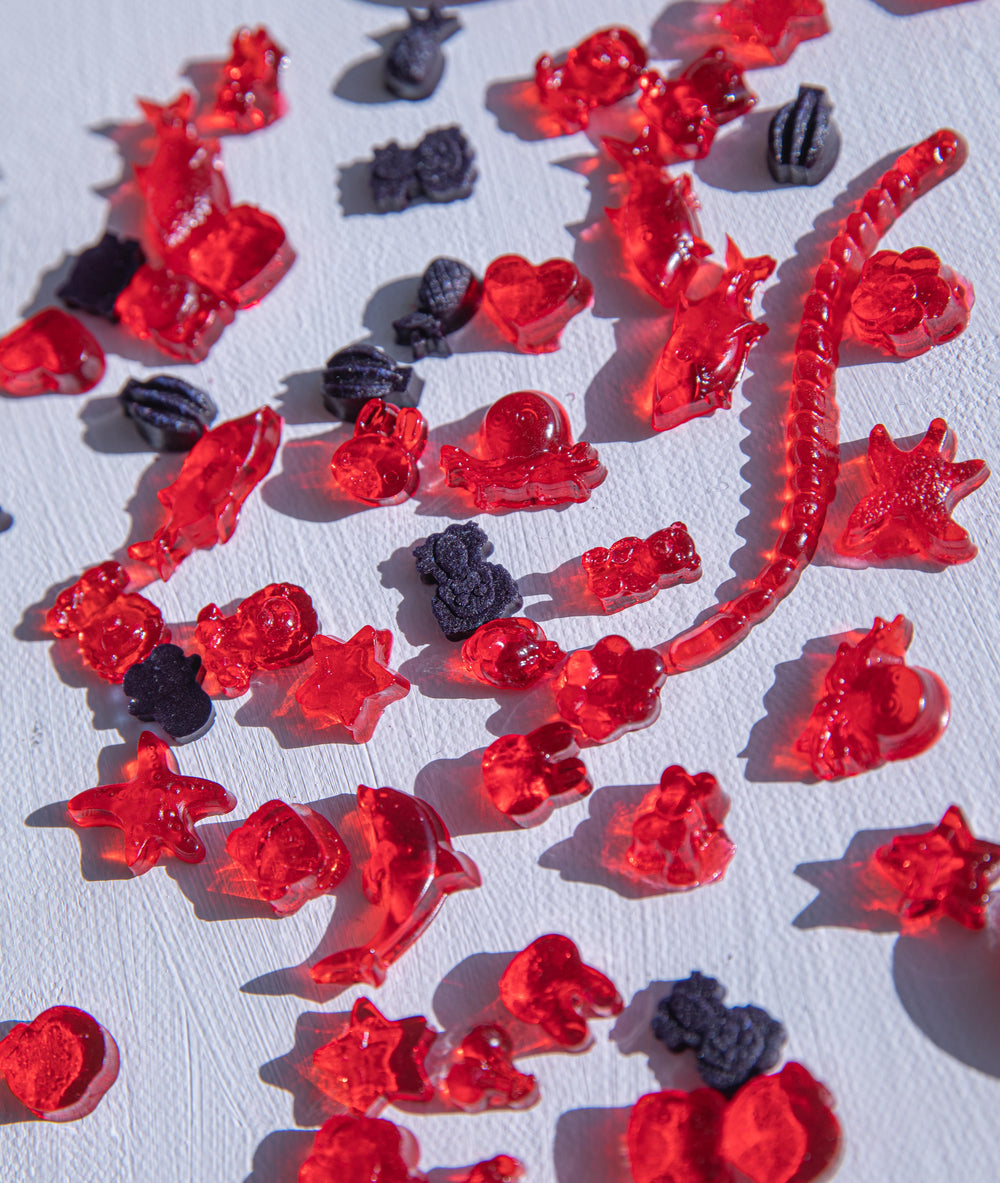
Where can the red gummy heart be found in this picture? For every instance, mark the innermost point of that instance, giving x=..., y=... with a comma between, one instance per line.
x=50, y=352
x=531, y=305
x=675, y=1136
x=241, y=258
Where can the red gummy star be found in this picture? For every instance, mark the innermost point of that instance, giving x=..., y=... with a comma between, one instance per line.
x=916, y=491
x=350, y=683
x=942, y=872
x=156, y=809
x=376, y=1060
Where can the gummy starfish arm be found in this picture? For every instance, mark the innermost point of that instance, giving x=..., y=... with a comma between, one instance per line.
x=883, y=455
x=948, y=543
x=867, y=518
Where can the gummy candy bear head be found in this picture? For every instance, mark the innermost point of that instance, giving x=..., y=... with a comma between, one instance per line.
x=522, y=425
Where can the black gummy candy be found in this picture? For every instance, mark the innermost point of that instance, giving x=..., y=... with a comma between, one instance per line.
x=6, y=520
x=415, y=63
x=164, y=689
x=448, y=297
x=440, y=168
x=392, y=178
x=362, y=372
x=168, y=412
x=423, y=333
x=100, y=274
x=803, y=142
x=691, y=1009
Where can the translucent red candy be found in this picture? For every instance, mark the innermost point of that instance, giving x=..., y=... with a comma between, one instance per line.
x=512, y=653
x=156, y=810
x=50, y=352
x=482, y=1075
x=527, y=776
x=350, y=683
x=610, y=689
x=218, y=475
x=291, y=852
x=526, y=457
x=531, y=305
x=596, y=73
x=59, y=1065
x=766, y=32
x=875, y=707
x=362, y=1150
x=241, y=257
x=178, y=315
x=704, y=356
x=674, y=1135
x=916, y=491
x=378, y=465
x=411, y=867
x=248, y=97
x=548, y=984
x=502, y=1169
x=633, y=570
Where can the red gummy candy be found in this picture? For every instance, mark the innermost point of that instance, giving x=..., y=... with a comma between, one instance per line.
x=527, y=776
x=218, y=475
x=378, y=465
x=704, y=356
x=511, y=652
x=59, y=1065
x=876, y=708
x=527, y=457
x=634, y=569
x=548, y=984
x=375, y=1060
x=362, y=1150
x=598, y=72
x=350, y=683
x=291, y=852
x=673, y=1135
x=50, y=352
x=410, y=869
x=270, y=630
x=766, y=32
x=156, y=809
x=531, y=305
x=502, y=1169
x=241, y=257
x=175, y=313
x=482, y=1075
x=916, y=491
x=610, y=689
x=248, y=97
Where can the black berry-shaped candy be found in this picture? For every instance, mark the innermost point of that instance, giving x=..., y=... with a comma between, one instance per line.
x=168, y=412
x=362, y=372
x=689, y=1010
x=440, y=168
x=469, y=592
x=164, y=689
x=100, y=274
x=448, y=298
x=803, y=141
x=415, y=63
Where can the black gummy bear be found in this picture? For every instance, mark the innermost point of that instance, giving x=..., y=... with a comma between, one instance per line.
x=803, y=142
x=100, y=274
x=362, y=372
x=440, y=168
x=169, y=413
x=469, y=592
x=415, y=63
x=164, y=689
x=448, y=297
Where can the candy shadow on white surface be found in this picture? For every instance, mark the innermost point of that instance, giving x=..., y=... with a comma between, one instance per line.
x=633, y=1035
x=738, y=160
x=313, y=1030
x=454, y=789
x=101, y=854
x=278, y=1158
x=590, y=1146
x=300, y=400
x=682, y=30
x=469, y=993
x=304, y=488
x=514, y=104
x=272, y=705
x=566, y=586
x=619, y=399
x=915, y=7
x=107, y=429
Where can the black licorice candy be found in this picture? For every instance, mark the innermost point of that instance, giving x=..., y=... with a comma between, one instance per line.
x=164, y=689
x=440, y=168
x=100, y=274
x=362, y=372
x=414, y=65
x=449, y=296
x=803, y=141
x=169, y=413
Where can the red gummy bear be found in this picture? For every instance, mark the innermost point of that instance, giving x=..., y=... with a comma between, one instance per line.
x=502, y=1169
x=241, y=257
x=360, y=1150
x=248, y=97
x=598, y=72
x=378, y=465
x=511, y=652
x=766, y=32
x=350, y=683
x=218, y=475
x=548, y=984
x=482, y=1075
x=50, y=352
x=876, y=708
x=410, y=869
x=527, y=457
x=531, y=305
x=156, y=809
x=704, y=356
x=916, y=491
x=291, y=852
x=59, y=1065
x=675, y=1135
x=634, y=569
x=178, y=315
x=527, y=776
x=610, y=689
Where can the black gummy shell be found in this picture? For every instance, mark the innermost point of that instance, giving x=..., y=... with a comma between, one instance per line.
x=168, y=412
x=362, y=372
x=100, y=274
x=803, y=142
x=450, y=291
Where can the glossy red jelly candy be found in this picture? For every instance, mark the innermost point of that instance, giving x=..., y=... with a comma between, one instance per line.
x=673, y=1135
x=59, y=1065
x=502, y=1169
x=218, y=475
x=249, y=97
x=511, y=652
x=531, y=305
x=50, y=352
x=362, y=1150
x=706, y=352
x=633, y=570
x=411, y=867
x=598, y=72
x=766, y=32
x=482, y=1074
x=378, y=465
x=610, y=689
x=156, y=810
x=241, y=257
x=875, y=708
x=526, y=457
x=527, y=776
x=178, y=315
x=291, y=852
x=548, y=984
x=350, y=683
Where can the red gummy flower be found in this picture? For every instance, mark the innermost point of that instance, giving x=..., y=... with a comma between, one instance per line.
x=360, y=1150
x=527, y=776
x=52, y=351
x=610, y=689
x=598, y=72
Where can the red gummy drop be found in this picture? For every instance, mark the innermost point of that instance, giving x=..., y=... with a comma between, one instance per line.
x=362, y=1150
x=766, y=32
x=511, y=652
x=531, y=305
x=248, y=97
x=291, y=852
x=175, y=313
x=502, y=1169
x=378, y=465
x=527, y=776
x=218, y=475
x=610, y=689
x=241, y=257
x=350, y=683
x=876, y=708
x=526, y=457
x=50, y=352
x=598, y=72
x=482, y=1074
x=916, y=491
x=548, y=984
x=673, y=1135
x=156, y=809
x=59, y=1065
x=633, y=570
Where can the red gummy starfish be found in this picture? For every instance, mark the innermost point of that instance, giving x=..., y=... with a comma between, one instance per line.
x=156, y=809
